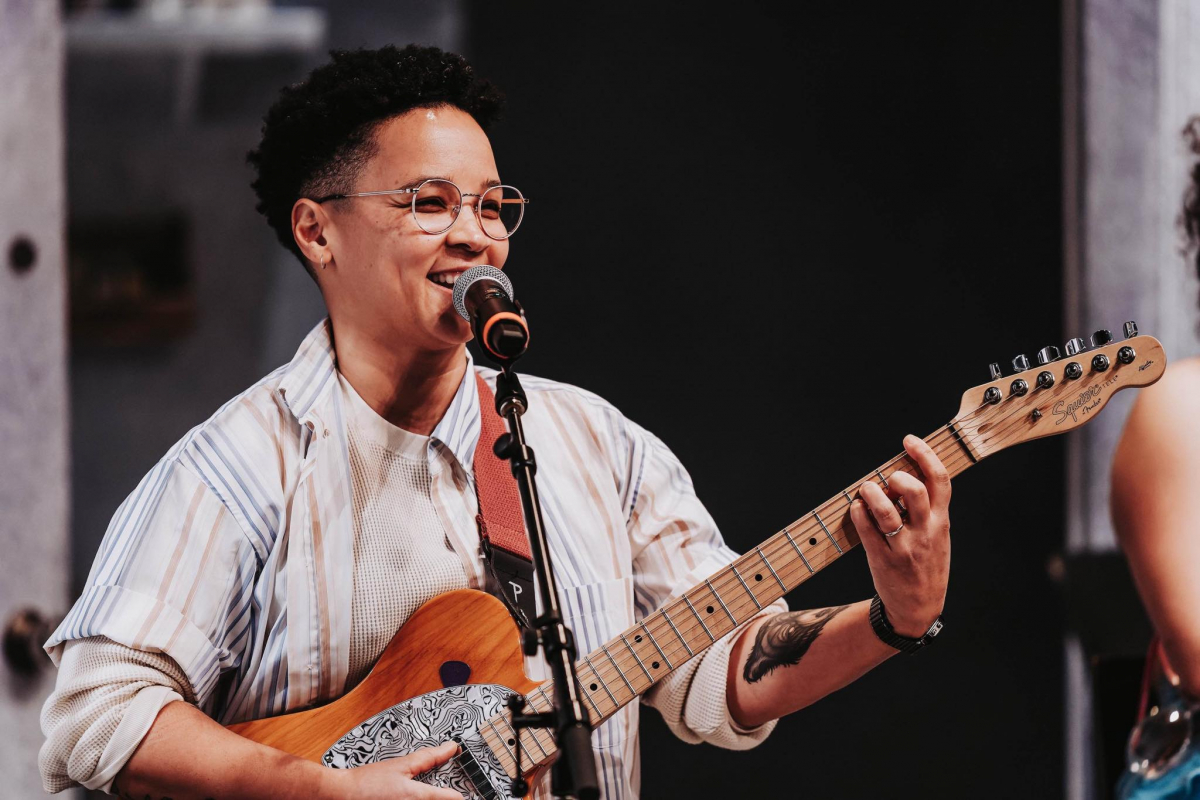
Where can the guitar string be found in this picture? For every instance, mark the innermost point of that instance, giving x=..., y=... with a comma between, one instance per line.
x=729, y=580
x=606, y=675
x=966, y=430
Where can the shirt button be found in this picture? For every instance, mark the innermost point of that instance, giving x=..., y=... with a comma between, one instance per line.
x=326, y=433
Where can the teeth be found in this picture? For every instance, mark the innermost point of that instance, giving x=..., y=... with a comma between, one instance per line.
x=444, y=278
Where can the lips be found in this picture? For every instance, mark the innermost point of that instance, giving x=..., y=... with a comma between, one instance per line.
x=445, y=279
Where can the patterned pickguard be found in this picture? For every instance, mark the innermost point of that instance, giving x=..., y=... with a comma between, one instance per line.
x=457, y=712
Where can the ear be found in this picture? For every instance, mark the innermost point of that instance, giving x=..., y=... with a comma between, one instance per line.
x=309, y=222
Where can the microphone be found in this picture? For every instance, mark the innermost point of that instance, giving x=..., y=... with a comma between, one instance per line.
x=483, y=296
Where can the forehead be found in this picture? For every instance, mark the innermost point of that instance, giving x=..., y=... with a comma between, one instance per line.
x=445, y=142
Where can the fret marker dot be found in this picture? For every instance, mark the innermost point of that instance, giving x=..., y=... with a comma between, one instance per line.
x=758, y=577
x=638, y=638
x=512, y=741
x=709, y=609
x=812, y=542
x=654, y=664
x=594, y=687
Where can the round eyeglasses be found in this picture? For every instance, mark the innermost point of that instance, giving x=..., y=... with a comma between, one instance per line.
x=436, y=203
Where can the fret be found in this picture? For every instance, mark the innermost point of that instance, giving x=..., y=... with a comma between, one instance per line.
x=529, y=701
x=827, y=533
x=678, y=635
x=637, y=658
x=880, y=474
x=849, y=499
x=799, y=552
x=620, y=671
x=654, y=642
x=738, y=575
x=517, y=738
x=587, y=660
x=713, y=589
x=698, y=617
x=501, y=737
x=588, y=695
x=538, y=741
x=954, y=429
x=763, y=556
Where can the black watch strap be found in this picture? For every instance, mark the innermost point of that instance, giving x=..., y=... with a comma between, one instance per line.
x=887, y=634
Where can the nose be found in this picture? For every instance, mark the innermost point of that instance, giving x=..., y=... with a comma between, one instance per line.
x=468, y=232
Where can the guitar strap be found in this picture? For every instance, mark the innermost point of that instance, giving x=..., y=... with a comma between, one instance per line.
x=504, y=543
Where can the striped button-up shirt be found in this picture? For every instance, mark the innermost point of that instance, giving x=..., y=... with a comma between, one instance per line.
x=234, y=555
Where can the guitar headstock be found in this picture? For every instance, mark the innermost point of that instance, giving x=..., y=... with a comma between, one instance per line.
x=1060, y=394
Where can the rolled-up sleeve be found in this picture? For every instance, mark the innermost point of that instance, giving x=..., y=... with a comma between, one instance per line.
x=106, y=698
x=676, y=545
x=173, y=565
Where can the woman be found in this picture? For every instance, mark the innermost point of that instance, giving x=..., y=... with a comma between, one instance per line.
x=264, y=564
x=1155, y=509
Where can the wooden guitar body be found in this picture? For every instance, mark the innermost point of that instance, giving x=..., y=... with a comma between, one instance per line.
x=456, y=655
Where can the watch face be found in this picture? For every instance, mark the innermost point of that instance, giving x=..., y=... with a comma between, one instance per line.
x=936, y=628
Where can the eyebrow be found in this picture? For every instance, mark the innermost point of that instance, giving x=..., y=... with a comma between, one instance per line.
x=415, y=182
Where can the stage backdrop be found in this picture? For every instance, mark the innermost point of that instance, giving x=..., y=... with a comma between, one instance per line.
x=781, y=242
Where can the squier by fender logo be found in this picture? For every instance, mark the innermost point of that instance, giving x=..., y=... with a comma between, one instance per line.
x=1087, y=400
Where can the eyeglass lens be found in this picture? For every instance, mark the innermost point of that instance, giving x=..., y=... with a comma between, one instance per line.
x=437, y=203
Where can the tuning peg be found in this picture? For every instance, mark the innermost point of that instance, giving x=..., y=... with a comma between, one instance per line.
x=1047, y=354
x=1020, y=363
x=1101, y=338
x=1076, y=346
x=1130, y=329
x=994, y=368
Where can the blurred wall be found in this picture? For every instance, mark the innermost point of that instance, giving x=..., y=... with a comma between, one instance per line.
x=34, y=471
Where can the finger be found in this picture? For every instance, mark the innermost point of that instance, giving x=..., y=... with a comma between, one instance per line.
x=937, y=478
x=873, y=543
x=427, y=758
x=883, y=510
x=912, y=490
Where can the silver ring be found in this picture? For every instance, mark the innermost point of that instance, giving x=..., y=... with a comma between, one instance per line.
x=893, y=533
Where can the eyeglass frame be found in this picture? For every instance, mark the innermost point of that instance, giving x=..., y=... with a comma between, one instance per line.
x=524, y=201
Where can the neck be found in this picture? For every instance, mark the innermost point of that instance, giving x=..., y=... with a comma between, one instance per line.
x=409, y=388
x=625, y=667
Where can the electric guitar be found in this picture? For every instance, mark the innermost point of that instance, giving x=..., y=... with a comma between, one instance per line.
x=429, y=687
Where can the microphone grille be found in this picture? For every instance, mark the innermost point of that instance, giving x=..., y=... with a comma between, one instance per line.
x=472, y=275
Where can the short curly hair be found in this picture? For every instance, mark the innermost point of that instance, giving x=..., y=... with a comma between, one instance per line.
x=1189, y=218
x=319, y=134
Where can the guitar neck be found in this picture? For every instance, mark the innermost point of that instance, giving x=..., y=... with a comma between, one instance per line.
x=633, y=662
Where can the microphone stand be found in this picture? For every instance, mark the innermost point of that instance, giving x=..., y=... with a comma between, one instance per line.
x=574, y=773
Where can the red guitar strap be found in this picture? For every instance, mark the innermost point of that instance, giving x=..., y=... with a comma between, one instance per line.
x=501, y=523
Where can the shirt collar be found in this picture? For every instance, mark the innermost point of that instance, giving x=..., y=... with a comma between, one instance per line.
x=310, y=375
x=309, y=379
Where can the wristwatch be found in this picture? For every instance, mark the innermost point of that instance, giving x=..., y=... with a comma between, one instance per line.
x=887, y=634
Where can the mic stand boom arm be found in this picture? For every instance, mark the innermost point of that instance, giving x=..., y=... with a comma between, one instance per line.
x=574, y=774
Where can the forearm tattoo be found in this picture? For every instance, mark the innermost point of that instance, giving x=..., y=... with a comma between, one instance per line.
x=784, y=639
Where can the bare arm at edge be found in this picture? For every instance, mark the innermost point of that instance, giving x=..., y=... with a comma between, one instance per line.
x=1156, y=510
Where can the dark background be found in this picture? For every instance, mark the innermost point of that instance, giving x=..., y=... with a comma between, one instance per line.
x=781, y=241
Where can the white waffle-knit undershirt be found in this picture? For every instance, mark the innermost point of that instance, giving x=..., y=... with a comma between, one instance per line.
x=402, y=557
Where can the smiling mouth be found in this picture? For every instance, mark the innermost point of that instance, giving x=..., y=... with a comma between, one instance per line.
x=445, y=280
